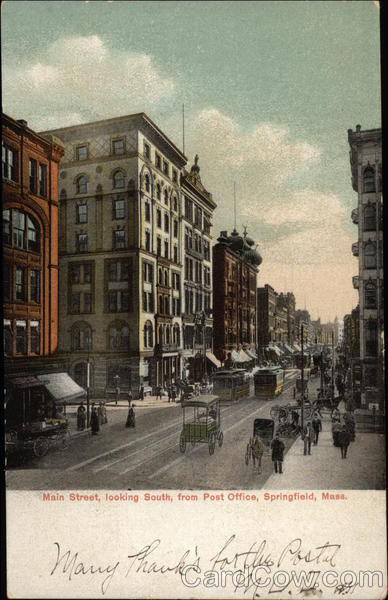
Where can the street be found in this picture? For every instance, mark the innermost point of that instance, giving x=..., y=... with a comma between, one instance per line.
x=148, y=457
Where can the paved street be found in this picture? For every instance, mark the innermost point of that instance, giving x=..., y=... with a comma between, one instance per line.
x=149, y=456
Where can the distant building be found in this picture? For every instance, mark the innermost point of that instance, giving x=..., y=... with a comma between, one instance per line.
x=235, y=268
x=366, y=170
x=285, y=304
x=266, y=318
x=30, y=244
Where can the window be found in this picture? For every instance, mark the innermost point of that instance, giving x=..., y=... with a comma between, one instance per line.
x=19, y=284
x=82, y=152
x=124, y=338
x=166, y=223
x=148, y=272
x=118, y=146
x=369, y=217
x=175, y=204
x=175, y=254
x=43, y=180
x=7, y=295
x=160, y=277
x=34, y=337
x=124, y=269
x=82, y=213
x=147, y=183
x=175, y=228
x=158, y=191
x=206, y=224
x=9, y=160
x=198, y=216
x=206, y=249
x=6, y=226
x=147, y=212
x=7, y=337
x=371, y=338
x=87, y=272
x=75, y=273
x=82, y=337
x=148, y=240
x=119, y=209
x=119, y=239
x=82, y=242
x=174, y=176
x=118, y=300
x=370, y=294
x=166, y=278
x=166, y=168
x=165, y=194
x=148, y=335
x=33, y=175
x=112, y=271
x=158, y=246
x=369, y=180
x=118, y=179
x=188, y=209
x=21, y=337
x=112, y=301
x=166, y=248
x=158, y=161
x=147, y=150
x=159, y=218
x=370, y=255
x=32, y=235
x=19, y=225
x=119, y=338
x=34, y=286
x=87, y=302
x=82, y=184
x=76, y=302
x=177, y=335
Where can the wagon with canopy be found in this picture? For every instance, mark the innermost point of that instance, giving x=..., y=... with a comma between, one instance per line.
x=201, y=423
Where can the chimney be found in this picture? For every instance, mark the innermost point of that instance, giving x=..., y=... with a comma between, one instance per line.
x=22, y=122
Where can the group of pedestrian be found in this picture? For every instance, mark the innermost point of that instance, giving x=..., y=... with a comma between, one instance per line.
x=98, y=417
x=310, y=433
x=171, y=393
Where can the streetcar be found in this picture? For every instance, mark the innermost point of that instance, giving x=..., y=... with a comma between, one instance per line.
x=269, y=382
x=201, y=423
x=231, y=384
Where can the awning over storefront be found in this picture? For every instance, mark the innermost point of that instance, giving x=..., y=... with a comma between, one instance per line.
x=235, y=356
x=297, y=348
x=250, y=353
x=61, y=387
x=23, y=382
x=244, y=356
x=213, y=359
x=274, y=349
x=289, y=349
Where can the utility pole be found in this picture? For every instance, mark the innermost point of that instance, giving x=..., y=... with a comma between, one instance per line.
x=88, y=387
x=302, y=374
x=332, y=368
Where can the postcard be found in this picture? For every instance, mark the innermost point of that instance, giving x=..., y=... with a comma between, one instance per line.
x=193, y=300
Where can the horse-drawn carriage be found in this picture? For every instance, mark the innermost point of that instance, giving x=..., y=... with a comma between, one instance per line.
x=201, y=423
x=264, y=430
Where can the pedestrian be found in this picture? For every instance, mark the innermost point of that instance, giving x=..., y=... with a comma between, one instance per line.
x=94, y=421
x=129, y=397
x=350, y=425
x=343, y=441
x=335, y=429
x=277, y=447
x=257, y=452
x=173, y=393
x=102, y=413
x=141, y=392
x=131, y=417
x=307, y=438
x=169, y=393
x=159, y=392
x=116, y=380
x=317, y=427
x=81, y=417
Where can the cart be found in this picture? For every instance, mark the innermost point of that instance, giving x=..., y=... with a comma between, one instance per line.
x=201, y=423
x=38, y=437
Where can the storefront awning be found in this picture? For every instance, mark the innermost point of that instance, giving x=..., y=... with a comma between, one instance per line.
x=61, y=387
x=244, y=356
x=250, y=353
x=297, y=348
x=23, y=382
x=274, y=349
x=289, y=349
x=213, y=359
x=236, y=358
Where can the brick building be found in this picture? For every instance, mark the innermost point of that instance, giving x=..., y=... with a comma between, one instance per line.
x=266, y=317
x=30, y=244
x=235, y=268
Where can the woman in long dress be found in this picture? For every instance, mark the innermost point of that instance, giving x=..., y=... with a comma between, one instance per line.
x=94, y=421
x=131, y=417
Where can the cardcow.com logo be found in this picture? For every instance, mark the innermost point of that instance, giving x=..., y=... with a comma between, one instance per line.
x=261, y=577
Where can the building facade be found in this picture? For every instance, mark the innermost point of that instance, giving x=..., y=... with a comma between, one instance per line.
x=266, y=318
x=285, y=307
x=30, y=244
x=120, y=253
x=366, y=171
x=197, y=302
x=235, y=269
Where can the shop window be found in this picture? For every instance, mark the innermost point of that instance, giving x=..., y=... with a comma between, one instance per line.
x=369, y=180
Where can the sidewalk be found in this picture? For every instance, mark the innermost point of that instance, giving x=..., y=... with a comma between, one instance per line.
x=364, y=467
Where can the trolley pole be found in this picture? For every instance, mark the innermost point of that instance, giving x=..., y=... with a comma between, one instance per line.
x=302, y=375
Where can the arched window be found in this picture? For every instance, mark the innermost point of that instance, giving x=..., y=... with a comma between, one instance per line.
x=20, y=230
x=369, y=217
x=113, y=338
x=147, y=183
x=82, y=337
x=370, y=255
x=165, y=196
x=148, y=335
x=124, y=338
x=158, y=191
x=369, y=180
x=82, y=184
x=119, y=179
x=370, y=294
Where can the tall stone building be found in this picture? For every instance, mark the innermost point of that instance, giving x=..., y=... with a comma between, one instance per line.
x=366, y=170
x=120, y=254
x=286, y=309
x=235, y=268
x=30, y=244
x=197, y=303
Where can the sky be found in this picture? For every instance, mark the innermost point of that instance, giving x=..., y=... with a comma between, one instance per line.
x=270, y=90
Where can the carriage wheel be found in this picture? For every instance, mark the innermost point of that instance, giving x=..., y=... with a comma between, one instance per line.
x=41, y=446
x=212, y=443
x=182, y=443
x=220, y=438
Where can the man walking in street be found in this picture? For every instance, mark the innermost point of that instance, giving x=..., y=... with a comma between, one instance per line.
x=317, y=427
x=278, y=448
x=116, y=380
x=344, y=441
x=307, y=438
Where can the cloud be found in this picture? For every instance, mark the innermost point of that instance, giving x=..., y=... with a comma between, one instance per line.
x=81, y=79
